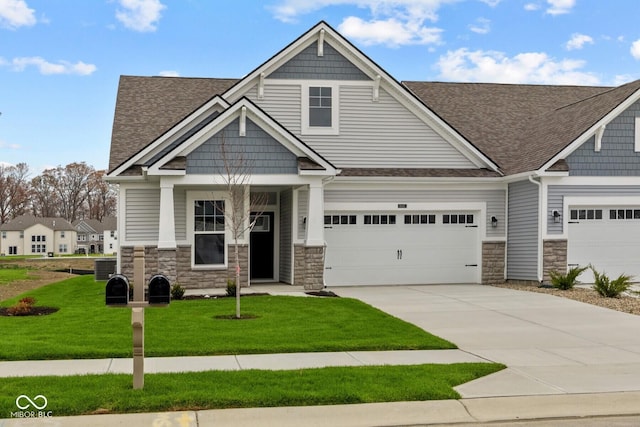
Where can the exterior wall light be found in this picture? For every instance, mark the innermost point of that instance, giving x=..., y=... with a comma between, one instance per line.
x=494, y=221
x=556, y=215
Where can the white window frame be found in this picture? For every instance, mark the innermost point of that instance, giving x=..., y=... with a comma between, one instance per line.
x=334, y=129
x=192, y=196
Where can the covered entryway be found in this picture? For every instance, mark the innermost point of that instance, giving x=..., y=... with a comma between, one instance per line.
x=384, y=248
x=262, y=247
x=607, y=238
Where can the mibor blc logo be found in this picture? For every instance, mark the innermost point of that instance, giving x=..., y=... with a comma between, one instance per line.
x=31, y=407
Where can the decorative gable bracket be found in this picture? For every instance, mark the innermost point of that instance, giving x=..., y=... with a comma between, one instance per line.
x=599, y=134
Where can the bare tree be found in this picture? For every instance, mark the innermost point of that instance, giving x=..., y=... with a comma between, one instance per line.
x=101, y=197
x=44, y=201
x=14, y=191
x=244, y=210
x=70, y=184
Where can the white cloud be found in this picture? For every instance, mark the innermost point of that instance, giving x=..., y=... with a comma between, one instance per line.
x=390, y=32
x=578, y=41
x=169, y=73
x=482, y=26
x=9, y=146
x=140, y=15
x=47, y=68
x=16, y=13
x=491, y=3
x=559, y=7
x=532, y=67
x=531, y=7
x=635, y=49
x=391, y=22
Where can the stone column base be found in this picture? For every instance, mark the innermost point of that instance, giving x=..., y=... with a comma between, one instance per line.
x=493, y=262
x=309, y=267
x=554, y=258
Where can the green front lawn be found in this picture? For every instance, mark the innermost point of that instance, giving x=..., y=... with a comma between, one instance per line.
x=85, y=328
x=224, y=389
x=8, y=275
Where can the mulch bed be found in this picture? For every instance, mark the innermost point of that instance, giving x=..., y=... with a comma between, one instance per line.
x=35, y=311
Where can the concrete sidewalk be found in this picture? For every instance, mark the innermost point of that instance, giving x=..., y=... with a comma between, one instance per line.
x=284, y=361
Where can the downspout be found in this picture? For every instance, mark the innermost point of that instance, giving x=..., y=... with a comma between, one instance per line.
x=540, y=247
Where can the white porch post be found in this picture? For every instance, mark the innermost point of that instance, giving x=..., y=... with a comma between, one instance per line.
x=315, y=215
x=167, y=230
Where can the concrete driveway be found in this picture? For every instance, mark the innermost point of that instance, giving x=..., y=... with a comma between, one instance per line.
x=551, y=345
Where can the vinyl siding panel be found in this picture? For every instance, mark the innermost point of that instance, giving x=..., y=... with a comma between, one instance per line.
x=142, y=216
x=180, y=213
x=557, y=193
x=495, y=200
x=286, y=238
x=522, y=237
x=371, y=134
x=258, y=152
x=617, y=156
x=303, y=211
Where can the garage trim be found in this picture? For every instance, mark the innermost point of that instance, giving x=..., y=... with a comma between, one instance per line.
x=569, y=202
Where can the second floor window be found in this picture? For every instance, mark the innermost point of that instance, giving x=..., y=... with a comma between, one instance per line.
x=320, y=104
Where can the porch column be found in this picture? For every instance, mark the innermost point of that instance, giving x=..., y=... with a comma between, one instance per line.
x=315, y=216
x=167, y=229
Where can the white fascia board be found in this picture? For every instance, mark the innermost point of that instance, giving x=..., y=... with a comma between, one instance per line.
x=150, y=150
x=593, y=180
x=395, y=181
x=254, y=113
x=593, y=130
x=213, y=180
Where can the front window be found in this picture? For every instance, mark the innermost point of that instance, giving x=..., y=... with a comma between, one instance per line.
x=209, y=232
x=320, y=106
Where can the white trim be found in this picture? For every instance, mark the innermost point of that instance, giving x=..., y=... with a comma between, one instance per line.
x=192, y=196
x=599, y=134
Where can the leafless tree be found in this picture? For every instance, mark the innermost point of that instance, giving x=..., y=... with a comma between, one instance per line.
x=244, y=210
x=101, y=197
x=14, y=191
x=44, y=201
x=71, y=185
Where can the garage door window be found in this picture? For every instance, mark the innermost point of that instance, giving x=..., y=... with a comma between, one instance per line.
x=457, y=219
x=624, y=214
x=419, y=219
x=379, y=219
x=587, y=214
x=340, y=220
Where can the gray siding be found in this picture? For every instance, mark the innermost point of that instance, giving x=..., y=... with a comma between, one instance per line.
x=372, y=134
x=557, y=193
x=257, y=151
x=522, y=240
x=142, y=216
x=308, y=65
x=495, y=200
x=616, y=157
x=286, y=238
x=303, y=210
x=180, y=213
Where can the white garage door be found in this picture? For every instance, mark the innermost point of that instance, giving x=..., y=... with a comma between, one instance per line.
x=606, y=237
x=401, y=249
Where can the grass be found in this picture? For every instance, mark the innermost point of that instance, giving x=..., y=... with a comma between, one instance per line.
x=233, y=389
x=8, y=275
x=85, y=328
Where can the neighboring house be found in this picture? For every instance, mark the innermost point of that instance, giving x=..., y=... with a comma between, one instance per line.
x=29, y=235
x=372, y=181
x=97, y=236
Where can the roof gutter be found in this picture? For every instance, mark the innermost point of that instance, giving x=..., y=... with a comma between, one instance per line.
x=540, y=247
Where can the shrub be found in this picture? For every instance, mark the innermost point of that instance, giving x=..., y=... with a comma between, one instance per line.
x=231, y=288
x=610, y=288
x=566, y=281
x=22, y=307
x=177, y=292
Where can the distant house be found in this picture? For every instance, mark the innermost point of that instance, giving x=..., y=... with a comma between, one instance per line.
x=29, y=235
x=95, y=237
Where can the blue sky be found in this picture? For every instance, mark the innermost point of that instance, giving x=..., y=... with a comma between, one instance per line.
x=60, y=60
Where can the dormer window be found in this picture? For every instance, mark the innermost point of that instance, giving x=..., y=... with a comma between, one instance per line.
x=320, y=106
x=320, y=109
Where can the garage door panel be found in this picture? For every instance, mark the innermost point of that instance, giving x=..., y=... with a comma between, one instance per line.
x=401, y=252
x=610, y=243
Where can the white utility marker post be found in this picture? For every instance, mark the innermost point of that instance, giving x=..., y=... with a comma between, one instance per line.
x=137, y=318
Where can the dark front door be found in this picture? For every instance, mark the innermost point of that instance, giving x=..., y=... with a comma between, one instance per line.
x=261, y=247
